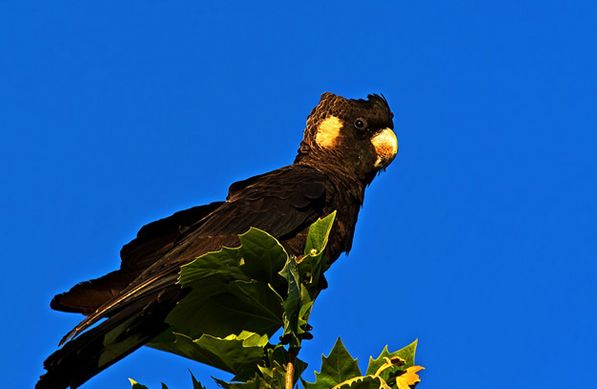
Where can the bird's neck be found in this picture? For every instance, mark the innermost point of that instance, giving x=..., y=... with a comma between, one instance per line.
x=343, y=178
x=335, y=165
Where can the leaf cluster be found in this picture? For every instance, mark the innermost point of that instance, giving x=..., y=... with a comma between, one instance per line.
x=339, y=370
x=237, y=298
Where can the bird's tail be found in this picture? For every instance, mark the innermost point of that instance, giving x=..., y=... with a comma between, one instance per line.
x=96, y=349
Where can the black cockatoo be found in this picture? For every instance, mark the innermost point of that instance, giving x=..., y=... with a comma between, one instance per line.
x=346, y=143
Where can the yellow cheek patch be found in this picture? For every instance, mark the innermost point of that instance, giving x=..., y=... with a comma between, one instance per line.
x=386, y=147
x=328, y=132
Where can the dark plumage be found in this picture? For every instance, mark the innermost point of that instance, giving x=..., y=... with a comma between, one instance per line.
x=346, y=143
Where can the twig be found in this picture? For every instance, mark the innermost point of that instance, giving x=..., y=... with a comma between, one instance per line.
x=290, y=370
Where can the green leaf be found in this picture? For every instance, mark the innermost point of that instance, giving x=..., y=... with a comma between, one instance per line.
x=292, y=304
x=319, y=233
x=262, y=298
x=305, y=310
x=229, y=289
x=406, y=353
x=196, y=384
x=274, y=377
x=336, y=368
x=223, y=264
x=263, y=256
x=311, y=265
x=226, y=313
x=303, y=279
x=164, y=386
x=237, y=354
x=136, y=385
x=363, y=382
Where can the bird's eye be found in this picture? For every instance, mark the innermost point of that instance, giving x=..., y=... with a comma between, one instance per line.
x=360, y=123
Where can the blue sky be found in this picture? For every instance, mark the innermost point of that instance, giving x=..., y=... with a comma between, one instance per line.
x=479, y=240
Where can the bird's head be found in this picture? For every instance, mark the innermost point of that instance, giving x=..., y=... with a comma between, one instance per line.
x=354, y=135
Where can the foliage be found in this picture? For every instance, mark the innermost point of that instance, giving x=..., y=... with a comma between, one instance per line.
x=388, y=370
x=239, y=297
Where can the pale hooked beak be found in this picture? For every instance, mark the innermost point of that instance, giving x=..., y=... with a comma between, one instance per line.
x=386, y=147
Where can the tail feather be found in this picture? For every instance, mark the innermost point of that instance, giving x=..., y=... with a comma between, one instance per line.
x=98, y=348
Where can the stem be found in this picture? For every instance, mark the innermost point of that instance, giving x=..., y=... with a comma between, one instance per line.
x=290, y=370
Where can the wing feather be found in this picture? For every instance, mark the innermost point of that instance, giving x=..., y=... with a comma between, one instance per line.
x=152, y=242
x=283, y=203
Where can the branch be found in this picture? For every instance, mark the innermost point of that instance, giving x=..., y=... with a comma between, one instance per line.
x=290, y=370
